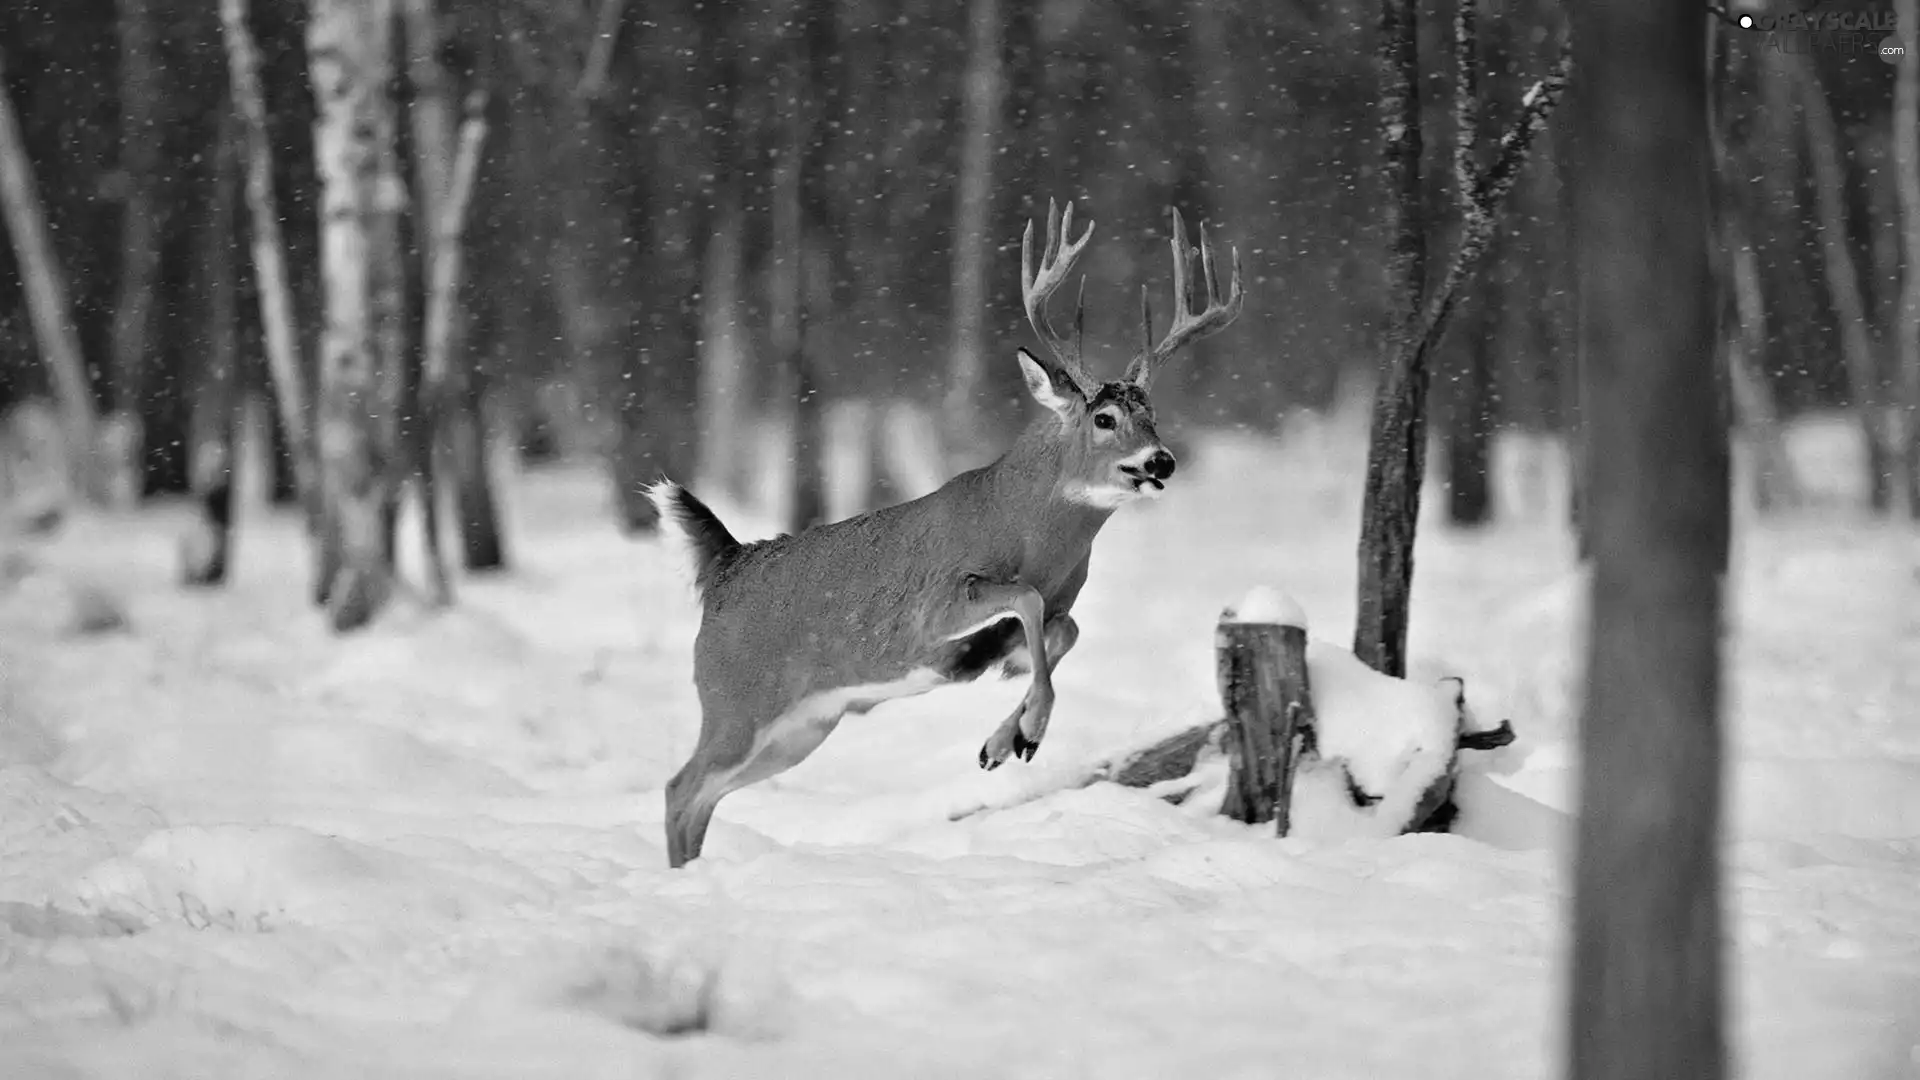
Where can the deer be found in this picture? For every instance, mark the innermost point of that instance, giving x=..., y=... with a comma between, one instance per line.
x=801, y=630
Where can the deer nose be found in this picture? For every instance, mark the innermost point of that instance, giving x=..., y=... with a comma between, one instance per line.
x=1159, y=466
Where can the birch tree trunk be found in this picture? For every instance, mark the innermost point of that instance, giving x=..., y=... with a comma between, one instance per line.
x=972, y=222
x=1906, y=157
x=46, y=290
x=1865, y=385
x=277, y=320
x=350, y=53
x=1645, y=998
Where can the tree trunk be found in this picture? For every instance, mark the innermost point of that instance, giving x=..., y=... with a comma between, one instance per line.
x=787, y=305
x=143, y=212
x=1645, y=998
x=981, y=104
x=350, y=51
x=723, y=390
x=1470, y=430
x=444, y=165
x=46, y=293
x=459, y=398
x=1268, y=697
x=296, y=447
x=1397, y=448
x=1864, y=383
x=207, y=554
x=1906, y=156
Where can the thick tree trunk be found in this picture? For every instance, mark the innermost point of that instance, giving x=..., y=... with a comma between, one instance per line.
x=46, y=291
x=350, y=50
x=1397, y=447
x=1906, y=157
x=1865, y=385
x=981, y=106
x=208, y=553
x=295, y=448
x=1645, y=997
x=1268, y=697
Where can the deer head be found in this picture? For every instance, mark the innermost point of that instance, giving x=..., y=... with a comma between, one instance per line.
x=1110, y=453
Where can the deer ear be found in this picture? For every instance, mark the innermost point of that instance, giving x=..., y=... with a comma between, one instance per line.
x=1041, y=383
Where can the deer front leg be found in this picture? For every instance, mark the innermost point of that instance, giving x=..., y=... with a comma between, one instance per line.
x=981, y=603
x=1059, y=633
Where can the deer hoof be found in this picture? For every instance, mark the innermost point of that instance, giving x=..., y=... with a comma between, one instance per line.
x=1023, y=747
x=994, y=752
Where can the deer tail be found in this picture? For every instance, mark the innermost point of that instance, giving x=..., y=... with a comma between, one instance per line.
x=705, y=537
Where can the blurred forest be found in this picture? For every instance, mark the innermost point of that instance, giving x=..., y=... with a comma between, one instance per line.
x=641, y=230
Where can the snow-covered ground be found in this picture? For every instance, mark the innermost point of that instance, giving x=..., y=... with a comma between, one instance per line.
x=234, y=845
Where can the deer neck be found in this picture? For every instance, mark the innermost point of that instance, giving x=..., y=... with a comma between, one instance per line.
x=1028, y=481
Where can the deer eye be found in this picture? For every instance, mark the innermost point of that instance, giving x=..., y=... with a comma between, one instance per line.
x=1103, y=421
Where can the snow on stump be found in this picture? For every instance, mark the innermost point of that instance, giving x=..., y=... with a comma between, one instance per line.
x=1261, y=652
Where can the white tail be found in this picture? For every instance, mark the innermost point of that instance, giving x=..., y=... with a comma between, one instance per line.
x=801, y=630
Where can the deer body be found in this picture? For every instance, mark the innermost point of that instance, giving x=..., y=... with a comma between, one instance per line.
x=798, y=631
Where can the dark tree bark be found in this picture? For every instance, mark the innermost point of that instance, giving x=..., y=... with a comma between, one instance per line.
x=143, y=222
x=1470, y=421
x=1396, y=456
x=1906, y=169
x=207, y=554
x=796, y=91
x=659, y=430
x=1268, y=697
x=1645, y=997
x=1866, y=385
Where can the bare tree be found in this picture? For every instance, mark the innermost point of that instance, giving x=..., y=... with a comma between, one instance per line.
x=278, y=322
x=46, y=289
x=1906, y=157
x=143, y=207
x=1396, y=457
x=1865, y=382
x=973, y=218
x=350, y=52
x=1645, y=997
x=207, y=553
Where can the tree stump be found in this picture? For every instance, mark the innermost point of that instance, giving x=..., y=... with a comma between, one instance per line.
x=1261, y=651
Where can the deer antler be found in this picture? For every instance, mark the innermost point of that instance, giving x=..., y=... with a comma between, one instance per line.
x=1039, y=280
x=1187, y=327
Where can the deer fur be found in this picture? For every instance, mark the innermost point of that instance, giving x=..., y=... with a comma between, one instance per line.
x=801, y=630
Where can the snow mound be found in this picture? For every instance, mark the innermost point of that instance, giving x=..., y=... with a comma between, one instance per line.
x=1379, y=739
x=51, y=831
x=666, y=990
x=1267, y=606
x=234, y=758
x=260, y=877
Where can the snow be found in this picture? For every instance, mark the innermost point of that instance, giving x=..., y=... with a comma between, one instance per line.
x=234, y=845
x=1267, y=605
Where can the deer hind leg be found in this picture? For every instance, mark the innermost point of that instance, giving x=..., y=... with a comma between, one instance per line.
x=982, y=603
x=730, y=757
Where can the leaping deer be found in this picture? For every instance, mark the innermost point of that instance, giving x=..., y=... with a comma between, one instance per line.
x=798, y=631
